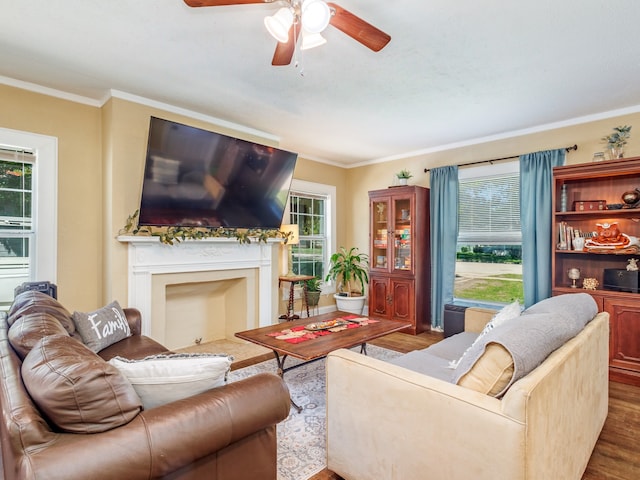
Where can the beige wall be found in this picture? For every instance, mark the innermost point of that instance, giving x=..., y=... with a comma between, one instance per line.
x=78, y=130
x=101, y=162
x=587, y=136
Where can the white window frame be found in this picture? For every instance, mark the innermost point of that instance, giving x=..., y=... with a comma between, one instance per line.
x=44, y=257
x=478, y=172
x=312, y=188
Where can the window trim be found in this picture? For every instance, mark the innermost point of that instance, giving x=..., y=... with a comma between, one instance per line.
x=301, y=187
x=45, y=208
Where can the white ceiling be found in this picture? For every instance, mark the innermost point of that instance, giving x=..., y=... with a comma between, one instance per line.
x=454, y=72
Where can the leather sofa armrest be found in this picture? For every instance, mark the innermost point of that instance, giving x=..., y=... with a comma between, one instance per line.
x=475, y=318
x=194, y=427
x=164, y=439
x=134, y=318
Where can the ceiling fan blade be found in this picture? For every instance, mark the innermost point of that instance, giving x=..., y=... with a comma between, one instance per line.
x=219, y=3
x=284, y=51
x=358, y=29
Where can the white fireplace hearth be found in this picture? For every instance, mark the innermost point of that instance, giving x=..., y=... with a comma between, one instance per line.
x=201, y=290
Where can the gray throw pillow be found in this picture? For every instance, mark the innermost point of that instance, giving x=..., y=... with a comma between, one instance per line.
x=103, y=327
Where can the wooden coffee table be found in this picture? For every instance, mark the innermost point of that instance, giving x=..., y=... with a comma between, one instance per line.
x=320, y=347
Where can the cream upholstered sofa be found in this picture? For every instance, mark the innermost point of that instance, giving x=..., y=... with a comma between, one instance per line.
x=387, y=421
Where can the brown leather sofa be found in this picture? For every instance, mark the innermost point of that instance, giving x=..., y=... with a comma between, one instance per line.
x=227, y=432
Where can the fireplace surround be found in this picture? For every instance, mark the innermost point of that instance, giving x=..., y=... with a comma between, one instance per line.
x=201, y=290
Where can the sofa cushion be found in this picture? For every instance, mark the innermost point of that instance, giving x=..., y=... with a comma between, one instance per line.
x=506, y=313
x=31, y=301
x=77, y=390
x=29, y=329
x=161, y=379
x=576, y=307
x=103, y=327
x=529, y=339
x=422, y=361
x=453, y=347
x=491, y=373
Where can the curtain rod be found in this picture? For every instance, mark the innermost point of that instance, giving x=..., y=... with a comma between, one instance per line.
x=568, y=149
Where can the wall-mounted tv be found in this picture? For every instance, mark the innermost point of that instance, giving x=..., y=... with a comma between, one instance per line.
x=198, y=178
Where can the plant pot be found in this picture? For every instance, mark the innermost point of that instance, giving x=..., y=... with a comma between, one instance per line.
x=350, y=304
x=402, y=181
x=313, y=298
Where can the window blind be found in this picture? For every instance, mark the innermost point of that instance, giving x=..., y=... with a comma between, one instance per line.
x=489, y=209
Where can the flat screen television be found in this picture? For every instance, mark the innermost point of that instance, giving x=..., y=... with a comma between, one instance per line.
x=198, y=178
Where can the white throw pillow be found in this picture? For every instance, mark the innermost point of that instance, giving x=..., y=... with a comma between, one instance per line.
x=160, y=379
x=508, y=312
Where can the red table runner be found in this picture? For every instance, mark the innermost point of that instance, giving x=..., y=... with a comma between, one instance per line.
x=300, y=334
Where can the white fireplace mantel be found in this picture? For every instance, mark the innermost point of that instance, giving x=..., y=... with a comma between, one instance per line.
x=147, y=256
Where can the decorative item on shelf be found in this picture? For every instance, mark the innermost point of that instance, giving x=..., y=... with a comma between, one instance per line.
x=563, y=198
x=403, y=176
x=608, y=236
x=631, y=198
x=598, y=157
x=589, y=205
x=590, y=284
x=578, y=242
x=573, y=274
x=172, y=235
x=621, y=280
x=381, y=208
x=632, y=265
x=617, y=140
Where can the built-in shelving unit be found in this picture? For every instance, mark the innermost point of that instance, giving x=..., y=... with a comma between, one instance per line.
x=596, y=188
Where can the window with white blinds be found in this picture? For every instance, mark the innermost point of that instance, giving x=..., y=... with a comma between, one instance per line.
x=489, y=209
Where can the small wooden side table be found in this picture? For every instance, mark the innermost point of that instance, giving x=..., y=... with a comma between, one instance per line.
x=291, y=314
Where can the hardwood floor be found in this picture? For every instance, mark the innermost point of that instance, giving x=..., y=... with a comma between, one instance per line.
x=617, y=453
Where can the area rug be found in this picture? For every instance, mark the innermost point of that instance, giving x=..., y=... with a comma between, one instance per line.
x=301, y=436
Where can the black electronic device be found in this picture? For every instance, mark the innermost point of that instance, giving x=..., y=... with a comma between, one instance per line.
x=621, y=280
x=197, y=178
x=47, y=288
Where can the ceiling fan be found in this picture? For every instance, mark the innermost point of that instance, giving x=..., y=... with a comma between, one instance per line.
x=309, y=18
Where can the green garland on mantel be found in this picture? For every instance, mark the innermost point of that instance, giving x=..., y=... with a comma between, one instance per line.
x=171, y=235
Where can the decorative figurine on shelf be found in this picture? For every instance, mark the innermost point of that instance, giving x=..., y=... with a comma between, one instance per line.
x=633, y=265
x=608, y=236
x=590, y=284
x=573, y=274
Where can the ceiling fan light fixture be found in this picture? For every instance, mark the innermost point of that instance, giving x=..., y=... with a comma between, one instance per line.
x=279, y=23
x=311, y=40
x=315, y=15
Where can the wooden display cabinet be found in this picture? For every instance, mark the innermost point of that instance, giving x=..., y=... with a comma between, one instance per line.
x=591, y=190
x=400, y=270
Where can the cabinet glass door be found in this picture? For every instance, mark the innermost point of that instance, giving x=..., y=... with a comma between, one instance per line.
x=380, y=212
x=402, y=215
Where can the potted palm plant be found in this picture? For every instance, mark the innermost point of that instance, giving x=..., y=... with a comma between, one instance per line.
x=349, y=268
